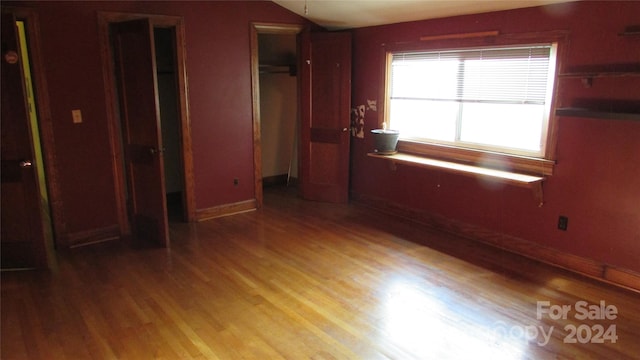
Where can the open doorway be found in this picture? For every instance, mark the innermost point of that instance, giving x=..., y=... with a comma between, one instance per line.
x=277, y=57
x=274, y=62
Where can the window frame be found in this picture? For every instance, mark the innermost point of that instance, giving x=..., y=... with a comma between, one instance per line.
x=542, y=165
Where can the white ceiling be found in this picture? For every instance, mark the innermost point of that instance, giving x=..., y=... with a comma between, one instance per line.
x=345, y=14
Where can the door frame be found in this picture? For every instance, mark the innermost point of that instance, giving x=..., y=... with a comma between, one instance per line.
x=176, y=22
x=45, y=125
x=257, y=28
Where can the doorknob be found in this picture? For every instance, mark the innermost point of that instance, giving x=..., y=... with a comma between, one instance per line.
x=344, y=129
x=25, y=164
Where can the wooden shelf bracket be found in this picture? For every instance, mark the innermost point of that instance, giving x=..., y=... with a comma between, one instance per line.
x=538, y=192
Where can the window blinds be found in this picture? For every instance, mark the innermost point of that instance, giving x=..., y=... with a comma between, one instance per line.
x=496, y=75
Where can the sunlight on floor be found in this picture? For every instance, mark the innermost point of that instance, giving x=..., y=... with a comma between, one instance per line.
x=421, y=324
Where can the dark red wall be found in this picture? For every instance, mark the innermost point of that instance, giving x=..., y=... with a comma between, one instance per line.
x=597, y=177
x=218, y=70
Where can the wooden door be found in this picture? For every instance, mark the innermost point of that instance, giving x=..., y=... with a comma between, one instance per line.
x=22, y=240
x=325, y=105
x=141, y=136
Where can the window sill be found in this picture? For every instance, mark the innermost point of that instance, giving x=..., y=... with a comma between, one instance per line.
x=478, y=158
x=523, y=180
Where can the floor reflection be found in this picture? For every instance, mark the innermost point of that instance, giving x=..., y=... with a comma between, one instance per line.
x=423, y=324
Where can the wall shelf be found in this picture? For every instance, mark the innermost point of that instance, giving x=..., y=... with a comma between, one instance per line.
x=596, y=74
x=632, y=30
x=587, y=76
x=523, y=180
x=596, y=114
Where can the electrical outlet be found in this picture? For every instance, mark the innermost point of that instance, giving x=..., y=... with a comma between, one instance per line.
x=563, y=223
x=236, y=181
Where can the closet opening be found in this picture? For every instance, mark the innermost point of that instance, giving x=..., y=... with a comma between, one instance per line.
x=277, y=58
x=275, y=102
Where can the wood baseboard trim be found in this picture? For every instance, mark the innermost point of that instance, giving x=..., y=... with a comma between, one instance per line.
x=88, y=237
x=226, y=210
x=623, y=277
x=620, y=277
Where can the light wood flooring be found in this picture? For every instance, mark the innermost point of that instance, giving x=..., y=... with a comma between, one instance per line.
x=304, y=280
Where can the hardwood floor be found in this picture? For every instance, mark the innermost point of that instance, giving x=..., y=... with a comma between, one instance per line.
x=302, y=280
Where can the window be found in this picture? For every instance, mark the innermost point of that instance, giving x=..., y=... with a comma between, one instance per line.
x=489, y=99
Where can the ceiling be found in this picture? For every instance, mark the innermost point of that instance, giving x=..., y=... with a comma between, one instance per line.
x=346, y=14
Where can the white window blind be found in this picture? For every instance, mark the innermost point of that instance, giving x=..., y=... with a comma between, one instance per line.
x=480, y=97
x=504, y=75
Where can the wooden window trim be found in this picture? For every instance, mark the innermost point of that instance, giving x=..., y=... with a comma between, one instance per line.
x=542, y=166
x=488, y=159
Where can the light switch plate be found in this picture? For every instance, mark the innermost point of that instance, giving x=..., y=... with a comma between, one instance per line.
x=77, y=116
